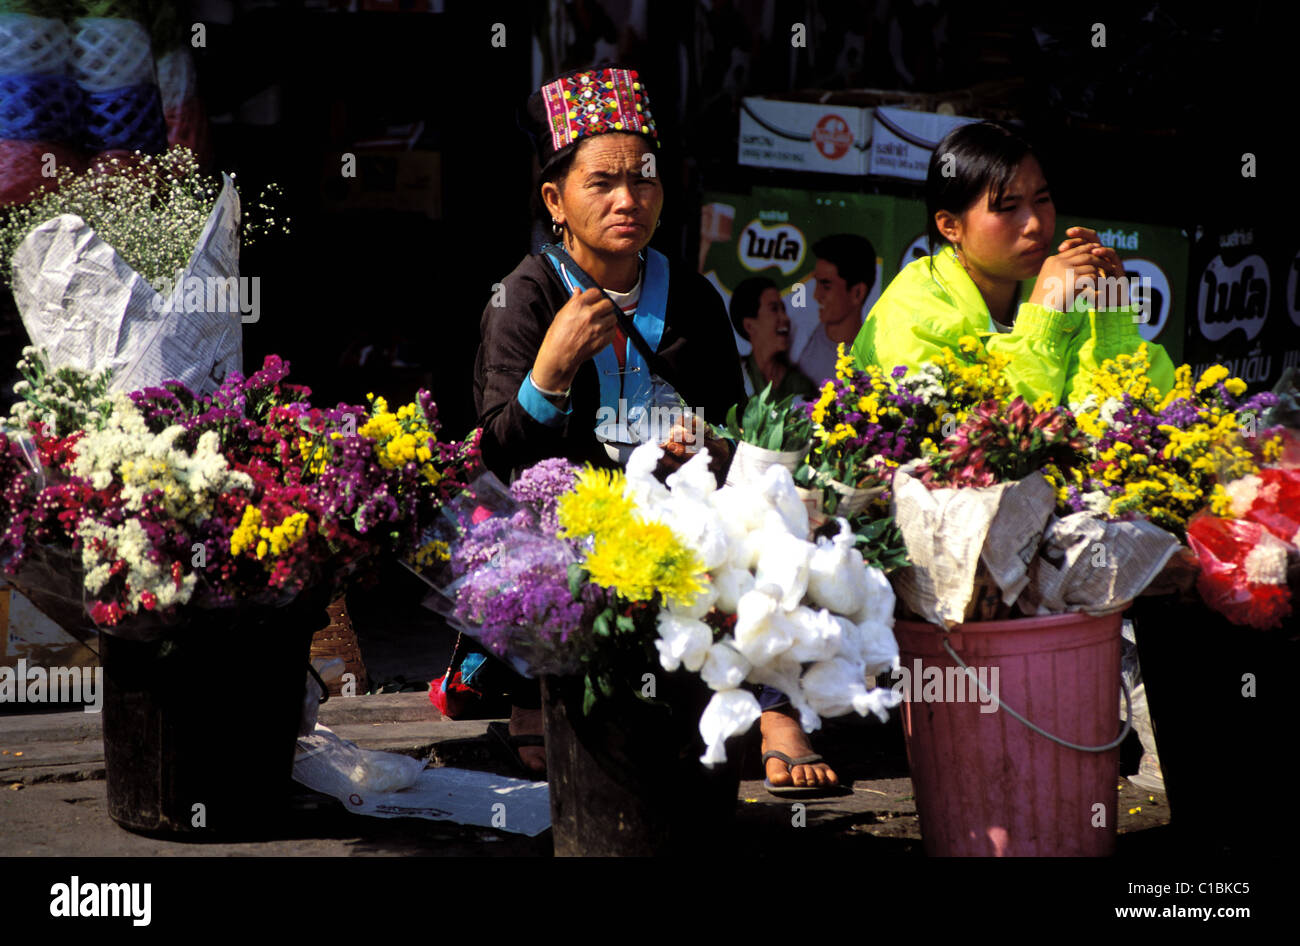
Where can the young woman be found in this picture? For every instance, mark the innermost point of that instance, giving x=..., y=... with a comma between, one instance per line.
x=994, y=277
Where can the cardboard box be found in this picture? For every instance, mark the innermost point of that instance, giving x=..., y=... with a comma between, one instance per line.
x=804, y=136
x=903, y=140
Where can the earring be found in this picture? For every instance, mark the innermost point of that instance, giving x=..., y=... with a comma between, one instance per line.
x=557, y=229
x=658, y=222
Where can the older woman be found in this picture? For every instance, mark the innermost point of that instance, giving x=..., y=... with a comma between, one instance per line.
x=558, y=372
x=555, y=361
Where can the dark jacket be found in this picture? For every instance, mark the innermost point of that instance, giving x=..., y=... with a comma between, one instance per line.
x=698, y=351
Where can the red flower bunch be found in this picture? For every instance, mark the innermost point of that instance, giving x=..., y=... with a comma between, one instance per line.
x=1002, y=443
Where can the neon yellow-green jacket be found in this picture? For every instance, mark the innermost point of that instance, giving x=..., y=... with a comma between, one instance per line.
x=1051, y=352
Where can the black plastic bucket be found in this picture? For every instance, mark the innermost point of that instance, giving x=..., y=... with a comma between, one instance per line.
x=200, y=726
x=1222, y=707
x=627, y=780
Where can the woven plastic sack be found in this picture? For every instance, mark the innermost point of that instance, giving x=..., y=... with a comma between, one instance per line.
x=23, y=164
x=33, y=45
x=130, y=119
x=39, y=108
x=110, y=54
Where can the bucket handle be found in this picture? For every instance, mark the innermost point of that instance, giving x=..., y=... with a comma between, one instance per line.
x=1128, y=715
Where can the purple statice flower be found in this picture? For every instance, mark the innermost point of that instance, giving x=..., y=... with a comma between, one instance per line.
x=520, y=603
x=483, y=541
x=541, y=486
x=1182, y=413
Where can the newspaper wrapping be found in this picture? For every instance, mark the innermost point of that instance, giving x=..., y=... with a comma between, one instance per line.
x=1043, y=564
x=88, y=309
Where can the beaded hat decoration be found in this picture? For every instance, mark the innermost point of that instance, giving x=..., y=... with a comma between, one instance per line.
x=587, y=103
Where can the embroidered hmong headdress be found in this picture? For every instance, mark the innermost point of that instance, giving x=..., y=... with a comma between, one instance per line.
x=585, y=103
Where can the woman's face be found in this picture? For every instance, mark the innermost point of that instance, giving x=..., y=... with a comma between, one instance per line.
x=1010, y=241
x=609, y=202
x=769, y=328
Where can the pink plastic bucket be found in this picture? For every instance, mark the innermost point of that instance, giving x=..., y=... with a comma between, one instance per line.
x=987, y=785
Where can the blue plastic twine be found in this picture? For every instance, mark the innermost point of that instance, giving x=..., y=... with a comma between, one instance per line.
x=130, y=119
x=39, y=108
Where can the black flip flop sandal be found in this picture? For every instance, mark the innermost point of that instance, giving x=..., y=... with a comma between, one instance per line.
x=799, y=791
x=508, y=747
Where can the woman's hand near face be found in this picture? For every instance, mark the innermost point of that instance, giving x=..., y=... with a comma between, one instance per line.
x=1106, y=257
x=582, y=327
x=1068, y=268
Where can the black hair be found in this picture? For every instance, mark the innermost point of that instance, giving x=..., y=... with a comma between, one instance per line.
x=971, y=160
x=853, y=255
x=744, y=301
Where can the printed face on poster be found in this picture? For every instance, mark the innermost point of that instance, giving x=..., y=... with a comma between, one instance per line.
x=772, y=233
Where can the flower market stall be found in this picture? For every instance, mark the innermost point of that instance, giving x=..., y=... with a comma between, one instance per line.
x=203, y=531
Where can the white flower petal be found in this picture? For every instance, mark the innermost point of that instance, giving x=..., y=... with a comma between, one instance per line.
x=701, y=606
x=729, y=713
x=783, y=561
x=762, y=632
x=777, y=486
x=731, y=585
x=724, y=668
x=818, y=634
x=694, y=479
x=682, y=642
x=836, y=574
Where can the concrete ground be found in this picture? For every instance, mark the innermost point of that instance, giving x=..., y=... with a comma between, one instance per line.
x=52, y=796
x=52, y=790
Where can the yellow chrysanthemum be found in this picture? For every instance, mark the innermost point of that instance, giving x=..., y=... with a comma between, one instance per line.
x=598, y=503
x=644, y=557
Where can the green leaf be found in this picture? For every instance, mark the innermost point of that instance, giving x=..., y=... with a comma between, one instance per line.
x=601, y=626
x=732, y=429
x=577, y=579
x=588, y=695
x=626, y=624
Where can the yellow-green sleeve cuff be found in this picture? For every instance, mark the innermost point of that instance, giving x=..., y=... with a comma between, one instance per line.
x=1046, y=324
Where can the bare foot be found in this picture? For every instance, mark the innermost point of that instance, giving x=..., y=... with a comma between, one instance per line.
x=528, y=722
x=782, y=732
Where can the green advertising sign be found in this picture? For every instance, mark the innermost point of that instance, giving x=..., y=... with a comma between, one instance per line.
x=771, y=233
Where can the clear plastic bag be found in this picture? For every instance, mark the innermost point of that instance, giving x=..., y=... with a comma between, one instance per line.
x=1243, y=570
x=337, y=767
x=505, y=583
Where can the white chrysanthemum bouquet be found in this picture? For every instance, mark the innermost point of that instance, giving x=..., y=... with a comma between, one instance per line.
x=809, y=619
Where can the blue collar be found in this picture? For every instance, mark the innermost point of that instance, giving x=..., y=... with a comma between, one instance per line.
x=632, y=385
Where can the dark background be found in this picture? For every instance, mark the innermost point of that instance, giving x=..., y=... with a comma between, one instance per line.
x=1150, y=128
